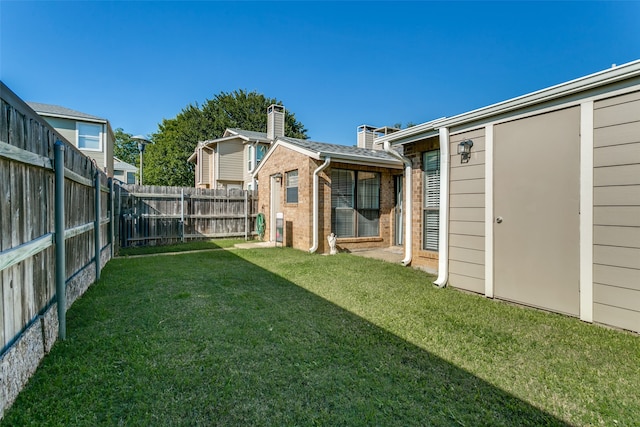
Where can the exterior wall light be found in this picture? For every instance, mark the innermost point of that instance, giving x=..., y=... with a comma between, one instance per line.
x=278, y=177
x=464, y=149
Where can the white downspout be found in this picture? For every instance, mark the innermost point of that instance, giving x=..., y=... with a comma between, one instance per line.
x=316, y=202
x=255, y=166
x=443, y=237
x=408, y=191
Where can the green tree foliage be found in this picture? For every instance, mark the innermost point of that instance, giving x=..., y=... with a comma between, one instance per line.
x=125, y=148
x=165, y=162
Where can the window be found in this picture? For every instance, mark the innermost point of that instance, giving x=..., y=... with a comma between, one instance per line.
x=431, y=200
x=89, y=136
x=250, y=157
x=262, y=150
x=292, y=186
x=355, y=203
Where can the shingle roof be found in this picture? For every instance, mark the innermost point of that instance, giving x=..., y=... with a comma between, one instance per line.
x=250, y=134
x=338, y=151
x=56, y=110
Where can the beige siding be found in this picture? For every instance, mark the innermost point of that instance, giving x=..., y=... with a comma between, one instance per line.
x=466, y=214
x=616, y=211
x=231, y=164
x=204, y=165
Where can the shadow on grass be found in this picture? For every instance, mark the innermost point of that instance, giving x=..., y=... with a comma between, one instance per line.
x=198, y=245
x=212, y=339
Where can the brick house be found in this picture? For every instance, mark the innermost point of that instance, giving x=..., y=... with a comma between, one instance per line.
x=322, y=188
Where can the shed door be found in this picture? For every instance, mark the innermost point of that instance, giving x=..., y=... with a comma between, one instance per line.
x=536, y=207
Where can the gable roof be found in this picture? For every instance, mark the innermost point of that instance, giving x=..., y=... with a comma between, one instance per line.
x=339, y=153
x=123, y=166
x=248, y=134
x=62, y=112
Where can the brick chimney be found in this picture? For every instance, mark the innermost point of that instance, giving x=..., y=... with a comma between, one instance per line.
x=275, y=121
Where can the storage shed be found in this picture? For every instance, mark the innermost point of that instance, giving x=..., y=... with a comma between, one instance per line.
x=539, y=199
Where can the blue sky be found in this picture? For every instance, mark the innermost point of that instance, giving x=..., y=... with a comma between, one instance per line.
x=336, y=65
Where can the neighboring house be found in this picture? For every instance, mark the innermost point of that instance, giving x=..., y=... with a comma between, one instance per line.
x=321, y=188
x=124, y=172
x=92, y=135
x=229, y=162
x=545, y=209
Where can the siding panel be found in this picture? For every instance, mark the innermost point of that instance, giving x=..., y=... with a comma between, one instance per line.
x=616, y=256
x=466, y=241
x=466, y=255
x=475, y=186
x=628, y=278
x=467, y=172
x=467, y=228
x=626, y=216
x=615, y=296
x=472, y=284
x=616, y=316
x=616, y=100
x=616, y=175
x=613, y=155
x=616, y=114
x=621, y=195
x=615, y=135
x=466, y=214
x=616, y=236
x=466, y=269
x=466, y=200
x=231, y=165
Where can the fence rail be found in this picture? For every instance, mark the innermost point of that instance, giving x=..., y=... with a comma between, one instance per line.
x=154, y=215
x=56, y=233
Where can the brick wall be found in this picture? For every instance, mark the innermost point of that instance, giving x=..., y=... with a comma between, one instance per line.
x=413, y=151
x=298, y=232
x=297, y=216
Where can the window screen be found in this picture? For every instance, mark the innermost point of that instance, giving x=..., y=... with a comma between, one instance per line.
x=431, y=200
x=292, y=186
x=355, y=203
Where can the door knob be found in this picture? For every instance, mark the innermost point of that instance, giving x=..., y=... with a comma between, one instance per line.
x=499, y=220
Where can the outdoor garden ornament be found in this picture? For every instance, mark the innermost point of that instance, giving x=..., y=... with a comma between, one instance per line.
x=332, y=244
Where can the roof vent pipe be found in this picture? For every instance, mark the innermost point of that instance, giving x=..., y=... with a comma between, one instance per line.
x=408, y=201
x=316, y=202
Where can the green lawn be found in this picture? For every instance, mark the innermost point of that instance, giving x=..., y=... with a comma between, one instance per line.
x=281, y=337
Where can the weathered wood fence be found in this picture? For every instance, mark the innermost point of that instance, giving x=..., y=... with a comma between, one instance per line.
x=153, y=215
x=56, y=233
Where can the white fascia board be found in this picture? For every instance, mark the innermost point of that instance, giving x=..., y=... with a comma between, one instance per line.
x=74, y=118
x=282, y=143
x=365, y=161
x=601, y=78
x=414, y=133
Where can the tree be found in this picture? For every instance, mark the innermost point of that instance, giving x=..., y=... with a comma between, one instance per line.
x=166, y=160
x=126, y=149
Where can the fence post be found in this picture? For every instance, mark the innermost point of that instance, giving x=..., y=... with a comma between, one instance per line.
x=182, y=215
x=111, y=216
x=246, y=215
x=96, y=226
x=61, y=274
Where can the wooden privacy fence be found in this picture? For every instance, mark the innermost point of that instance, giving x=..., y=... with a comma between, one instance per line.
x=56, y=233
x=153, y=215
